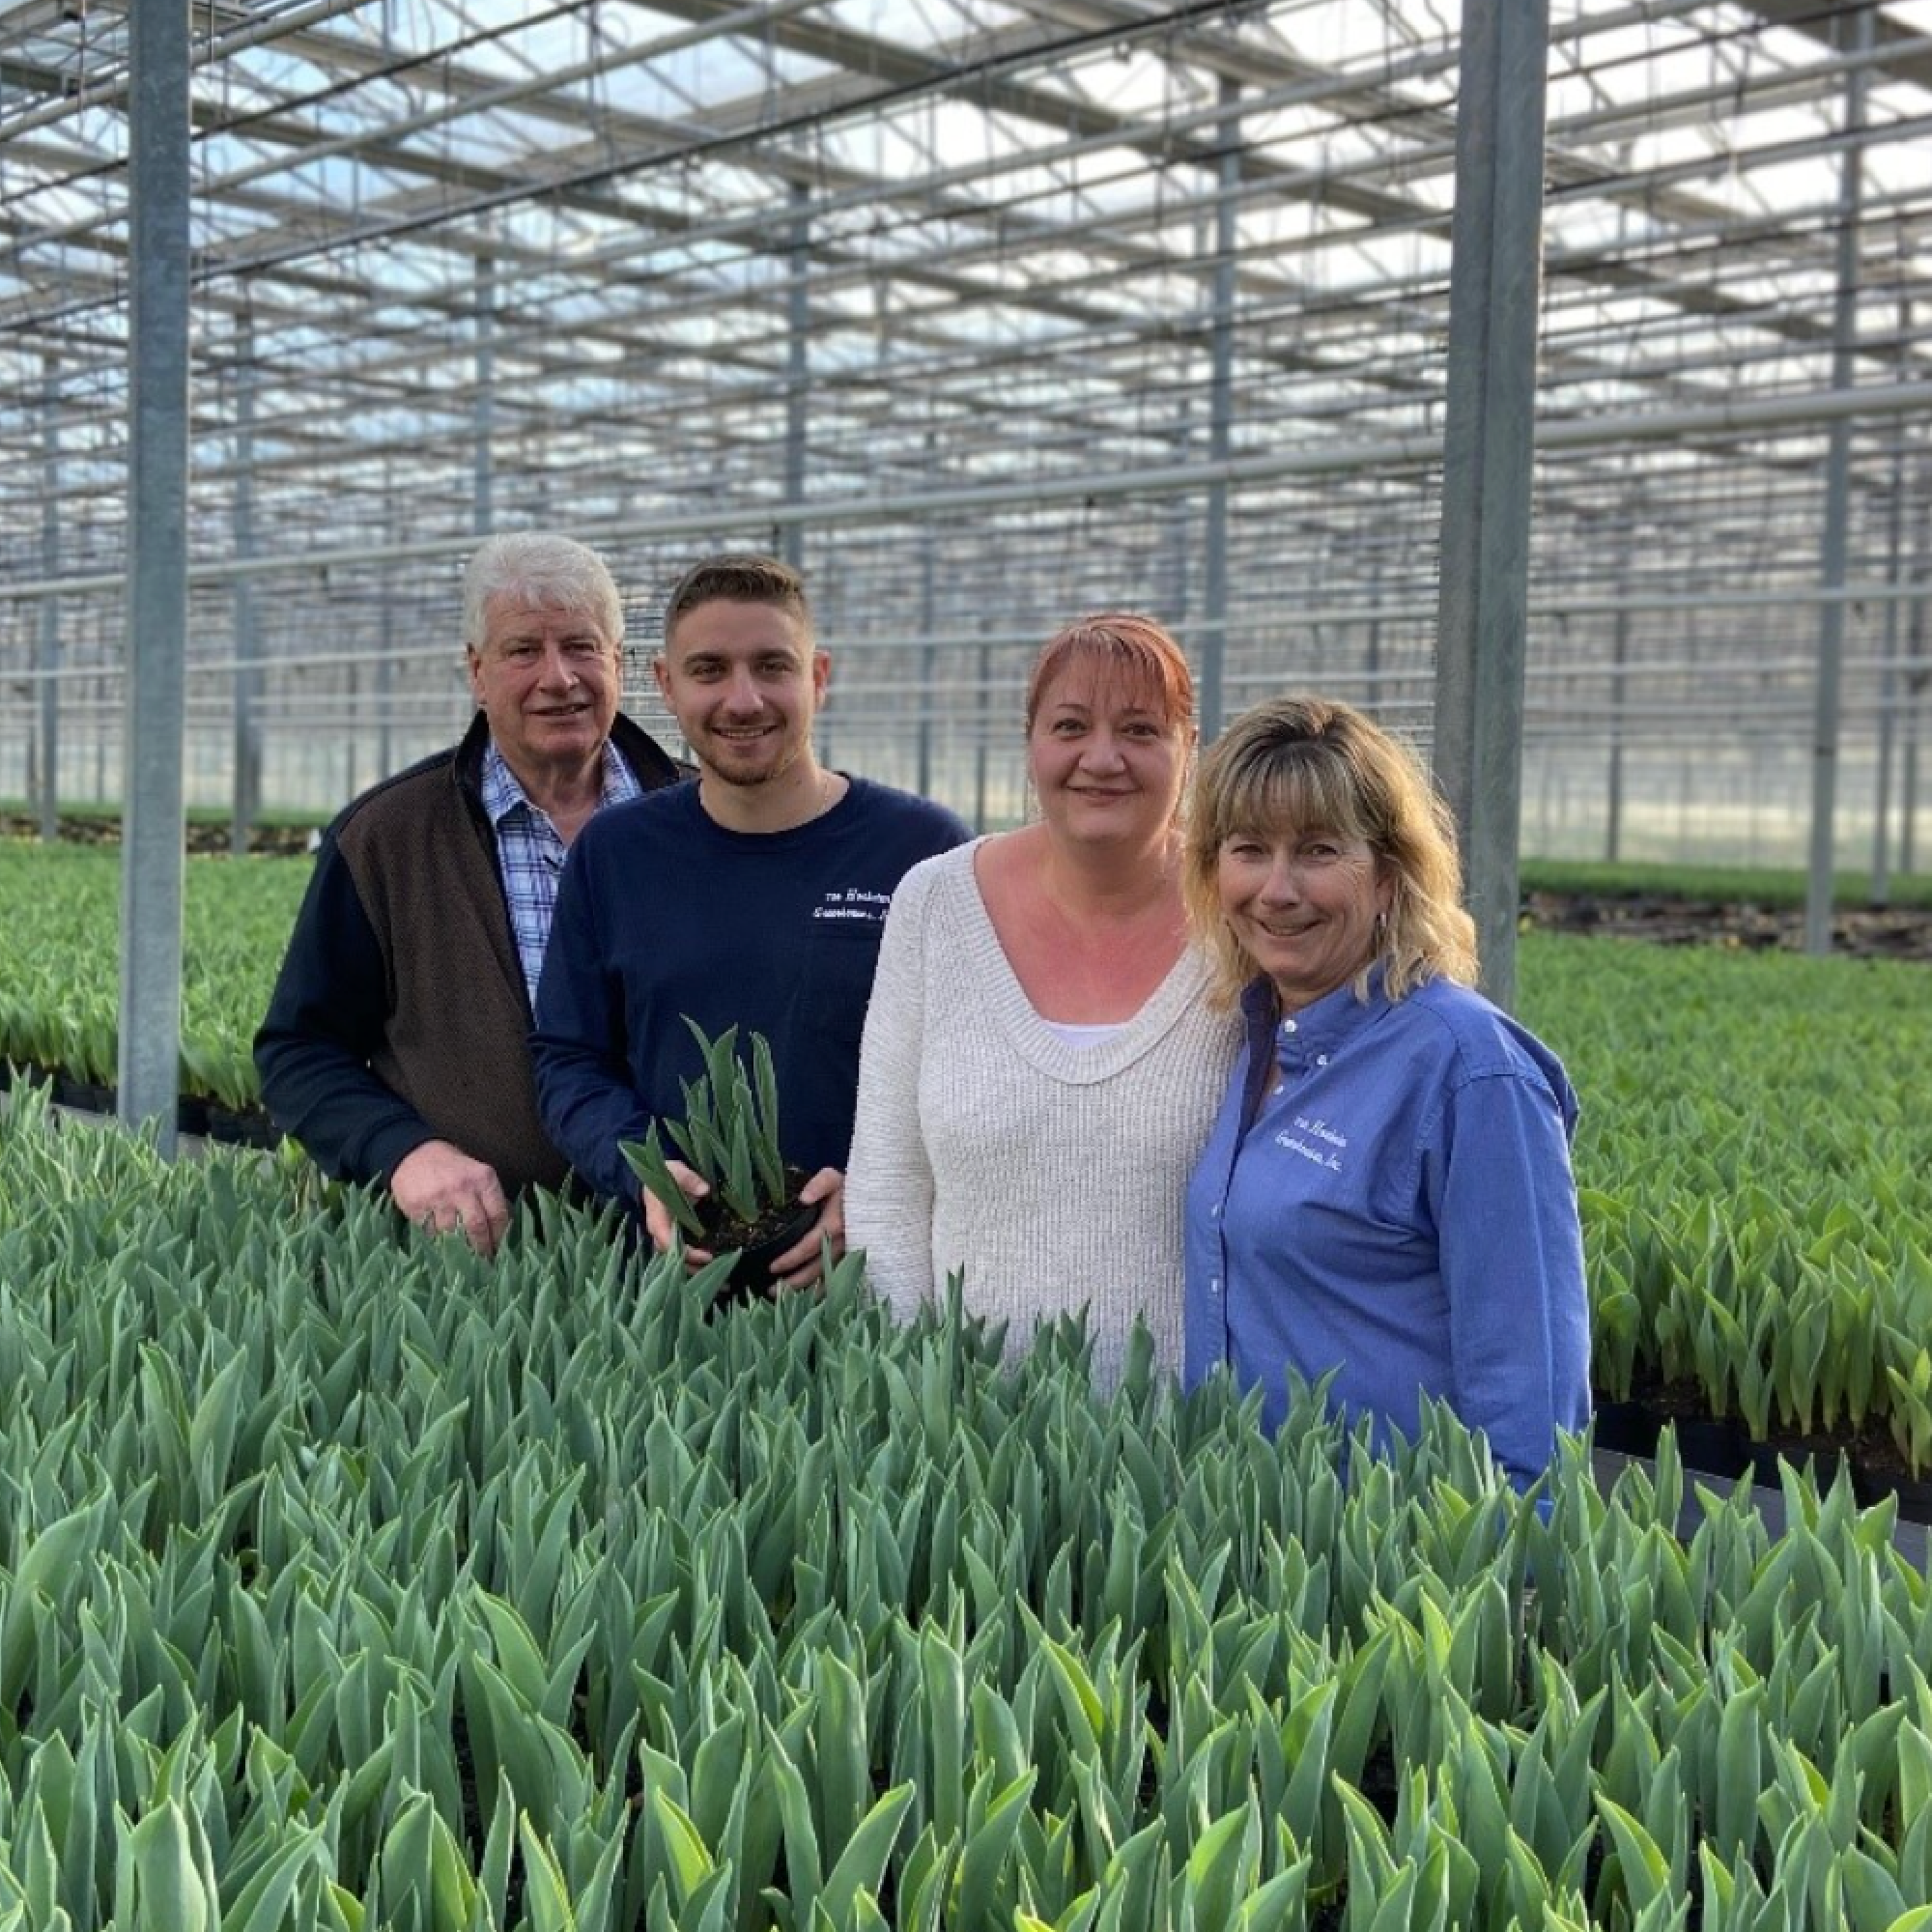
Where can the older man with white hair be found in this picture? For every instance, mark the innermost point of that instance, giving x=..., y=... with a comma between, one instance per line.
x=395, y=1048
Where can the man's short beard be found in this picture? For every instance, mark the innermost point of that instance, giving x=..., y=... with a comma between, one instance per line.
x=754, y=781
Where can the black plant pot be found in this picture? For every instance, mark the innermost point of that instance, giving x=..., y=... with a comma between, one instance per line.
x=1822, y=1465
x=1914, y=1492
x=1714, y=1446
x=84, y=1097
x=761, y=1244
x=1629, y=1428
x=242, y=1126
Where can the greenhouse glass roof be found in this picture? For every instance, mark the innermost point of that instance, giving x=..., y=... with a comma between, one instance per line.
x=973, y=305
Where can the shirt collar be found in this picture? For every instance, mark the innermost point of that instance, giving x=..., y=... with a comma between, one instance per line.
x=503, y=792
x=1323, y=1027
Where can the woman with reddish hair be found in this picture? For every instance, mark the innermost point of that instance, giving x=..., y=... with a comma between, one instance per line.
x=1041, y=1068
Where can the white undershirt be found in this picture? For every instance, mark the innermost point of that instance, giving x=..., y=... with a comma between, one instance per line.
x=1083, y=1033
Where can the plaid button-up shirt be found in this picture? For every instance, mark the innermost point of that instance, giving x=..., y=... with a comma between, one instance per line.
x=530, y=853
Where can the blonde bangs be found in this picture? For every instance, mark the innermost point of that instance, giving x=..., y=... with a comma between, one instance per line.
x=1295, y=765
x=1280, y=788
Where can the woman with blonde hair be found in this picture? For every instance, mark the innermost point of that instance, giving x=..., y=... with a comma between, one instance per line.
x=1039, y=1065
x=1386, y=1193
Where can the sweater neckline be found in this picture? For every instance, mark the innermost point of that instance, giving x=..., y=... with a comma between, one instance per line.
x=1185, y=982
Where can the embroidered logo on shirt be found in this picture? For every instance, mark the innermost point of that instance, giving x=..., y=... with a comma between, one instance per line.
x=1314, y=1140
x=853, y=902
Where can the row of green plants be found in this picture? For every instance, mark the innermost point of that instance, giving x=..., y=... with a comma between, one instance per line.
x=1755, y=1157
x=1751, y=885
x=1764, y=886
x=60, y=923
x=347, y=1581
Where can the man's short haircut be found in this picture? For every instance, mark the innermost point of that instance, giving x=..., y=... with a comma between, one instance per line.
x=746, y=578
x=541, y=567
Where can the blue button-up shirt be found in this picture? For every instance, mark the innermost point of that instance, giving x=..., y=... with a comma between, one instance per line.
x=1388, y=1193
x=531, y=851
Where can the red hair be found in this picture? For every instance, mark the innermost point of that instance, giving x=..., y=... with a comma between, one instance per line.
x=1119, y=645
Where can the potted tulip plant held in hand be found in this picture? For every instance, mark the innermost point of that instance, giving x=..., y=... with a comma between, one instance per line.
x=730, y=1138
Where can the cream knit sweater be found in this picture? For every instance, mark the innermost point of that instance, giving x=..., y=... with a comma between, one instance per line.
x=1051, y=1174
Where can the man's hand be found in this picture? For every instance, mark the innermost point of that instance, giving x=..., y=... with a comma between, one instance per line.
x=657, y=1223
x=798, y=1266
x=440, y=1188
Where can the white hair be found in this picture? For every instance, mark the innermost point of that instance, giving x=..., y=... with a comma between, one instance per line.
x=541, y=567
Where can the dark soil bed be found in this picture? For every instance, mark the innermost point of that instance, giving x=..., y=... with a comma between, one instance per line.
x=285, y=841
x=1861, y=932
x=1724, y=1447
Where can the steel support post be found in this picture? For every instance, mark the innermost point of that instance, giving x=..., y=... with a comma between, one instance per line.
x=247, y=756
x=386, y=644
x=1372, y=657
x=353, y=730
x=798, y=372
x=483, y=422
x=1837, y=505
x=1613, y=815
x=1488, y=457
x=1220, y=418
x=1917, y=678
x=928, y=623
x=1908, y=788
x=985, y=724
x=386, y=628
x=1888, y=687
x=154, y=829
x=1180, y=530
x=47, y=655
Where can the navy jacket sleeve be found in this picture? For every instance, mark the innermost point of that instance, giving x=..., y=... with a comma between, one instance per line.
x=579, y=1047
x=325, y=1023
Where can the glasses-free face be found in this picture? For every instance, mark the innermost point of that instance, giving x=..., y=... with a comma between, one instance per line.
x=1303, y=903
x=549, y=682
x=1105, y=764
x=744, y=683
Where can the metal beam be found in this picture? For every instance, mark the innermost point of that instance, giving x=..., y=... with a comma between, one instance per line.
x=246, y=778
x=797, y=369
x=47, y=656
x=1823, y=866
x=1887, y=684
x=482, y=471
x=1742, y=417
x=153, y=824
x=1486, y=458
x=1220, y=416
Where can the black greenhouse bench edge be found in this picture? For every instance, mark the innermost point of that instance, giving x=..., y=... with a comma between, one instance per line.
x=1912, y=1539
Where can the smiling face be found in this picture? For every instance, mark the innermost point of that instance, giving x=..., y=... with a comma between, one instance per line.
x=744, y=683
x=1301, y=903
x=1106, y=764
x=548, y=679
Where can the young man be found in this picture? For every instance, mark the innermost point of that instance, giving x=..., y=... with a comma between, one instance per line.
x=755, y=898
x=396, y=1046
